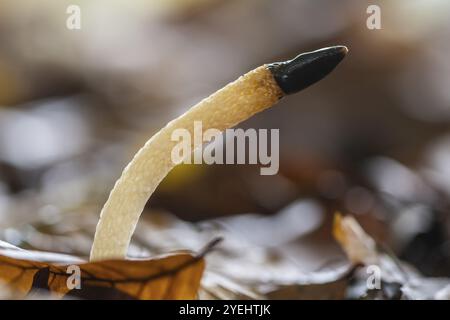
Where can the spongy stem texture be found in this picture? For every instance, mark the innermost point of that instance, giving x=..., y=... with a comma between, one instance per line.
x=236, y=102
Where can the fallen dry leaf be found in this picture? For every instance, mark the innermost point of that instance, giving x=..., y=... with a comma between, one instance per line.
x=175, y=276
x=359, y=247
x=323, y=285
x=398, y=279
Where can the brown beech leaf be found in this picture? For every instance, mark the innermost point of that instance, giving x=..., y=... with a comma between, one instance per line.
x=174, y=276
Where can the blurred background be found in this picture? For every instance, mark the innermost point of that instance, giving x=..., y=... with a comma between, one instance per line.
x=371, y=140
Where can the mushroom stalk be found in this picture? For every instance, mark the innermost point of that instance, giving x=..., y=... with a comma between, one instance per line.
x=251, y=93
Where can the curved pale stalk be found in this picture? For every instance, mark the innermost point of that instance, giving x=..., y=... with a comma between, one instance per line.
x=255, y=91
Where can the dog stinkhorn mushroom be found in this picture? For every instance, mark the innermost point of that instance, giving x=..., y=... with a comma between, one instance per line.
x=251, y=93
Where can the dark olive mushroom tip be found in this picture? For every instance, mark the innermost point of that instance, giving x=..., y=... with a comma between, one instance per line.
x=307, y=68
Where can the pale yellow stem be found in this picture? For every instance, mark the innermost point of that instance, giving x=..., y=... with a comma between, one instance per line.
x=239, y=100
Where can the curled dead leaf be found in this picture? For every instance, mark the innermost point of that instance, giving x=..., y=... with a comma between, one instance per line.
x=175, y=276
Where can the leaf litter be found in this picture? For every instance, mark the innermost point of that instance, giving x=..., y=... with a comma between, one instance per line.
x=240, y=267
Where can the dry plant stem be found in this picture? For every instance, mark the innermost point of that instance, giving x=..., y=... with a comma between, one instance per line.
x=255, y=91
x=239, y=100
